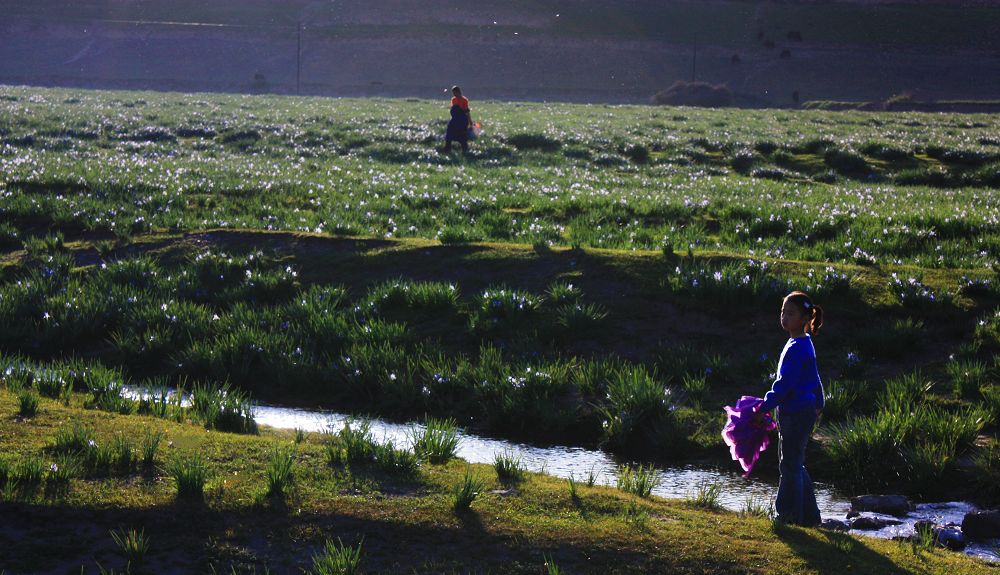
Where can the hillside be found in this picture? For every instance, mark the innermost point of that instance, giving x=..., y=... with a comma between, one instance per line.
x=583, y=50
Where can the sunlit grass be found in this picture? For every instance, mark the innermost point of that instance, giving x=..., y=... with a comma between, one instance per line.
x=437, y=441
x=638, y=480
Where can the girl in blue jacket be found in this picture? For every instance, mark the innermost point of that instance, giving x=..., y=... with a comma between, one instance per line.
x=797, y=393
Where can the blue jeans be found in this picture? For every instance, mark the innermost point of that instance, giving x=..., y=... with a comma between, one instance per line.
x=796, y=501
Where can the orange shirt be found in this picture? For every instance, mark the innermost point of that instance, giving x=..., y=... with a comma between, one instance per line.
x=461, y=102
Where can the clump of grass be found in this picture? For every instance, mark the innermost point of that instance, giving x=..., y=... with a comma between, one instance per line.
x=452, y=235
x=125, y=456
x=337, y=559
x=52, y=385
x=50, y=244
x=280, y=472
x=437, y=442
x=73, y=439
x=354, y=445
x=902, y=393
x=986, y=471
x=107, y=394
x=967, y=377
x=637, y=408
x=27, y=403
x=757, y=507
x=466, y=492
x=150, y=443
x=573, y=491
x=156, y=405
x=18, y=378
x=577, y=318
x=845, y=161
x=550, y=565
x=503, y=310
x=926, y=463
x=841, y=395
x=706, y=496
x=510, y=470
x=912, y=292
x=133, y=545
x=639, y=480
x=433, y=296
x=697, y=388
x=534, y=141
x=29, y=472
x=863, y=447
x=906, y=433
x=223, y=408
x=300, y=435
x=60, y=474
x=924, y=539
x=563, y=293
x=991, y=403
x=99, y=457
x=9, y=236
x=389, y=458
x=190, y=473
x=399, y=293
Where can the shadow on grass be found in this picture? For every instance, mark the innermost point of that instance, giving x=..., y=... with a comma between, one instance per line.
x=833, y=552
x=62, y=538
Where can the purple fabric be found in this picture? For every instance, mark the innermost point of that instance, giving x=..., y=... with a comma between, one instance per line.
x=746, y=441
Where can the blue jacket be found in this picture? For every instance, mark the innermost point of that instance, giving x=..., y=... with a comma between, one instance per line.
x=797, y=386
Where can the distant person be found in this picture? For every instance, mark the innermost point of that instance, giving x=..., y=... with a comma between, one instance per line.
x=460, y=123
x=797, y=393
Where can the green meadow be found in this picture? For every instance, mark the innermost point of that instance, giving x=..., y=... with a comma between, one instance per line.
x=589, y=275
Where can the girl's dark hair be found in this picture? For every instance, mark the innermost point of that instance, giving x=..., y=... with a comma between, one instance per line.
x=809, y=309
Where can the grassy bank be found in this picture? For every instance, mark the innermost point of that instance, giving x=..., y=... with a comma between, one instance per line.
x=402, y=520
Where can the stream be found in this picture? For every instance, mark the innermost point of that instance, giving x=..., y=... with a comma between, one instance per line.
x=677, y=482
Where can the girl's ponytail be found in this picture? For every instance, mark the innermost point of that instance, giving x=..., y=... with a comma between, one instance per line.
x=809, y=309
x=817, y=319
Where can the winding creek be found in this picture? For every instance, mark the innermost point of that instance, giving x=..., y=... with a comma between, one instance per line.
x=677, y=482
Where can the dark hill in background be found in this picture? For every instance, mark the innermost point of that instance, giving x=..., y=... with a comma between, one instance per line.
x=767, y=53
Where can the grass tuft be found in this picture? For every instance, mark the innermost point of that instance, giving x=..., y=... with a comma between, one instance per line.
x=706, y=496
x=509, y=468
x=639, y=480
x=336, y=559
x=437, y=442
x=133, y=545
x=466, y=492
x=150, y=443
x=224, y=408
x=551, y=568
x=72, y=439
x=27, y=403
x=190, y=473
x=280, y=472
x=755, y=506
